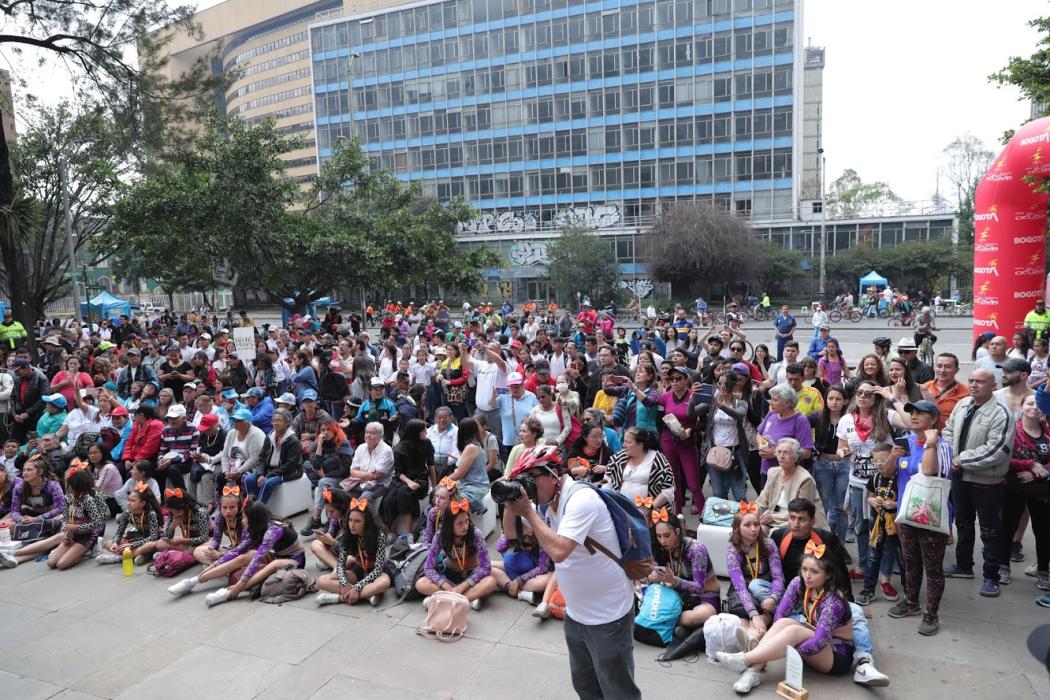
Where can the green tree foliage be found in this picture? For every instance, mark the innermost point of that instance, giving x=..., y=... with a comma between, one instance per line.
x=913, y=265
x=778, y=266
x=1030, y=75
x=694, y=245
x=580, y=261
x=849, y=196
x=228, y=200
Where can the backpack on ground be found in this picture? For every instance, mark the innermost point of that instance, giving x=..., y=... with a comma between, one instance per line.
x=287, y=584
x=631, y=530
x=171, y=562
x=407, y=571
x=446, y=617
x=720, y=635
x=657, y=615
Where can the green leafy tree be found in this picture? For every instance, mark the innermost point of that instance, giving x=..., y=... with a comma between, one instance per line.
x=693, y=245
x=580, y=261
x=778, y=266
x=1030, y=75
x=849, y=196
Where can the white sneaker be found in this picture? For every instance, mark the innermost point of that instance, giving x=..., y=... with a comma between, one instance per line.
x=527, y=596
x=748, y=681
x=542, y=611
x=426, y=602
x=745, y=641
x=734, y=662
x=867, y=674
x=375, y=600
x=325, y=598
x=321, y=566
x=220, y=596
x=8, y=560
x=184, y=586
x=1032, y=570
x=475, y=604
x=109, y=558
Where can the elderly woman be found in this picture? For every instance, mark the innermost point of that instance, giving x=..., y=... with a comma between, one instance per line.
x=280, y=460
x=640, y=471
x=782, y=421
x=241, y=450
x=784, y=483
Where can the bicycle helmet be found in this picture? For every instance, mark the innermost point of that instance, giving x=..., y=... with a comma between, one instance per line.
x=882, y=341
x=538, y=457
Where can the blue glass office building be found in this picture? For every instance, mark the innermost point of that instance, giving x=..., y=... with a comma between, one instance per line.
x=543, y=112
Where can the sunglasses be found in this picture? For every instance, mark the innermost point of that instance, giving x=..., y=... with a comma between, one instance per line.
x=677, y=378
x=737, y=349
x=865, y=394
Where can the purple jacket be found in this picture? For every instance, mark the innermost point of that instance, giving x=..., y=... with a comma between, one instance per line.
x=483, y=569
x=834, y=612
x=50, y=489
x=739, y=581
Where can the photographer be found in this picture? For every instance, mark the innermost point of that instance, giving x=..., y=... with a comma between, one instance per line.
x=598, y=595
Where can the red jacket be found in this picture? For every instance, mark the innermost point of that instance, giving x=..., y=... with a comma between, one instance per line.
x=144, y=441
x=1023, y=457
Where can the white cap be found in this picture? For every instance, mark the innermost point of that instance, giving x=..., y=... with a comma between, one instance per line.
x=376, y=381
x=176, y=410
x=514, y=378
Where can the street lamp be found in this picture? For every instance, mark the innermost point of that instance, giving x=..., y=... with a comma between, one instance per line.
x=821, y=166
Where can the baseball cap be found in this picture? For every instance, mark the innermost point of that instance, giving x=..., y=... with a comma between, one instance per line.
x=906, y=344
x=309, y=395
x=55, y=400
x=51, y=340
x=21, y=363
x=923, y=407
x=191, y=385
x=287, y=397
x=208, y=420
x=131, y=351
x=176, y=410
x=118, y=411
x=741, y=368
x=242, y=414
x=440, y=351
x=256, y=392
x=1016, y=364
x=206, y=336
x=514, y=378
x=376, y=383
x=1039, y=644
x=229, y=393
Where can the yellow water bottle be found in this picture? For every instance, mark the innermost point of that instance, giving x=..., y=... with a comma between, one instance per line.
x=127, y=562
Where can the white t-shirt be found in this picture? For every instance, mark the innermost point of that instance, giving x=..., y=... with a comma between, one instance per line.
x=490, y=377
x=78, y=422
x=862, y=467
x=595, y=588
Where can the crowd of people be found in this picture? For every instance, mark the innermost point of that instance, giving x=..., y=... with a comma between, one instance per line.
x=162, y=435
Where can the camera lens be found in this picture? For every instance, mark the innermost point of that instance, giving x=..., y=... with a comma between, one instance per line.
x=504, y=490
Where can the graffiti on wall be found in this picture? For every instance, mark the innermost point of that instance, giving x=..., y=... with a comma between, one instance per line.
x=638, y=288
x=596, y=216
x=529, y=253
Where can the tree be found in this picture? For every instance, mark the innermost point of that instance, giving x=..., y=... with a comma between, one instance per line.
x=580, y=261
x=1030, y=75
x=912, y=265
x=965, y=162
x=849, y=196
x=777, y=266
x=695, y=244
x=93, y=39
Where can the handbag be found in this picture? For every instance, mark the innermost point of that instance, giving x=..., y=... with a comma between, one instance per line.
x=925, y=503
x=170, y=563
x=455, y=393
x=446, y=617
x=556, y=605
x=720, y=458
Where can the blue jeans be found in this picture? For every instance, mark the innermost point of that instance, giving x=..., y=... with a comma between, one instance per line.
x=861, y=524
x=264, y=492
x=832, y=477
x=760, y=588
x=735, y=478
x=862, y=649
x=881, y=561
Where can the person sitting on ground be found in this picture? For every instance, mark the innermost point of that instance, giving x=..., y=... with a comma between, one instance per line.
x=187, y=516
x=446, y=491
x=326, y=543
x=824, y=639
x=684, y=564
x=227, y=523
x=137, y=525
x=525, y=568
x=458, y=559
x=791, y=543
x=361, y=571
x=268, y=546
x=756, y=579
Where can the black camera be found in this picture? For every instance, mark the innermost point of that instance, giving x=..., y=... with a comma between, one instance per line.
x=504, y=490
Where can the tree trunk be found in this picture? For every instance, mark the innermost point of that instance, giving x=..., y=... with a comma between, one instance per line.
x=11, y=255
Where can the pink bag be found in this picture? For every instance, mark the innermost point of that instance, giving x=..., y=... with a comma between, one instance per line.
x=171, y=563
x=446, y=617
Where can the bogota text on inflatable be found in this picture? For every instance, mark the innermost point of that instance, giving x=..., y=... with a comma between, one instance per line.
x=1009, y=254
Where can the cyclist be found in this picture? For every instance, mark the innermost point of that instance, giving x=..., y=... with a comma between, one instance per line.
x=925, y=324
x=701, y=310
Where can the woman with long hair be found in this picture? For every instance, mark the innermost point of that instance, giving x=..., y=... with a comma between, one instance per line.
x=870, y=368
x=361, y=571
x=830, y=471
x=832, y=367
x=756, y=575
x=902, y=383
x=684, y=564
x=453, y=375
x=137, y=524
x=639, y=404
x=458, y=559
x=413, y=472
x=529, y=434
x=589, y=455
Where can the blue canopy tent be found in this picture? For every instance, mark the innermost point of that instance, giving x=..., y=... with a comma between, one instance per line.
x=105, y=305
x=872, y=279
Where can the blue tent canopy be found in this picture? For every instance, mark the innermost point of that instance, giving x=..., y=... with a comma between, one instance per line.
x=872, y=279
x=105, y=305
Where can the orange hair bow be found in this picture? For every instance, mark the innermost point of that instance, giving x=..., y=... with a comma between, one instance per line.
x=646, y=502
x=174, y=493
x=448, y=483
x=231, y=490
x=142, y=487
x=327, y=493
x=459, y=506
x=815, y=549
x=358, y=504
x=579, y=462
x=746, y=507
x=661, y=516
x=74, y=469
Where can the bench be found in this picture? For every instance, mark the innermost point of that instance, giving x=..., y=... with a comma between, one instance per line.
x=290, y=498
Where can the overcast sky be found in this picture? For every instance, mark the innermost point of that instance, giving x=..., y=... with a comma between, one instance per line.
x=902, y=80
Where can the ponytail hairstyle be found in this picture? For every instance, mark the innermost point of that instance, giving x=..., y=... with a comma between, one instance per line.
x=79, y=483
x=143, y=491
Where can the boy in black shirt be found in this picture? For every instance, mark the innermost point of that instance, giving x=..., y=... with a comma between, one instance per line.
x=885, y=547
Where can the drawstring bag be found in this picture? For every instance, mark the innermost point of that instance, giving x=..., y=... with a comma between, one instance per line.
x=171, y=562
x=446, y=617
x=657, y=615
x=720, y=635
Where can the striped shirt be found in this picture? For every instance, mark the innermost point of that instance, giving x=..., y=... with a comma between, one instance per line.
x=181, y=441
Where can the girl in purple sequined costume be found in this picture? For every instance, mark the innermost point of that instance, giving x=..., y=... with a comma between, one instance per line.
x=228, y=523
x=458, y=559
x=685, y=565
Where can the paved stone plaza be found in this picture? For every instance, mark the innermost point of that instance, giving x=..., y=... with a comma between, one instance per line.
x=90, y=632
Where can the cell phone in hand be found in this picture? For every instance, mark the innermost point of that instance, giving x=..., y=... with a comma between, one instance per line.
x=901, y=442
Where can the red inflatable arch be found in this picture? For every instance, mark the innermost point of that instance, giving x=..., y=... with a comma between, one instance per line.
x=1009, y=255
